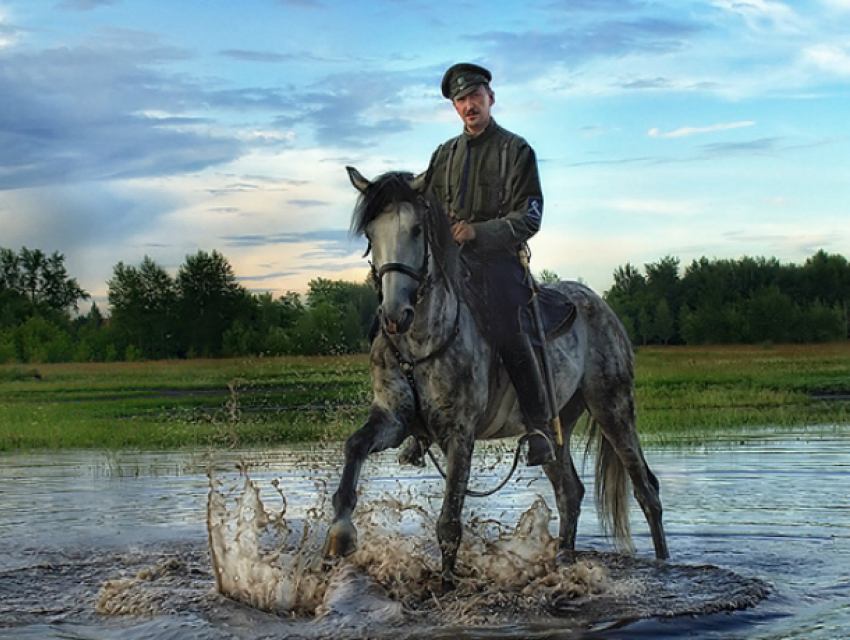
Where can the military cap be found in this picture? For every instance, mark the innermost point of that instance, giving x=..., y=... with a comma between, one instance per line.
x=461, y=79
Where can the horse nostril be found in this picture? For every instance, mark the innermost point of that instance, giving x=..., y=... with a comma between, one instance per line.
x=406, y=320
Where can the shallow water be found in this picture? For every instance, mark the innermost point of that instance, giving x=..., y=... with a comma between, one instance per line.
x=770, y=506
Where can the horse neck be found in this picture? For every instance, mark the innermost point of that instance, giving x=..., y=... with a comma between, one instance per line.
x=436, y=309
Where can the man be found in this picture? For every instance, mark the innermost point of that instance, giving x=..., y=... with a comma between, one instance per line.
x=488, y=182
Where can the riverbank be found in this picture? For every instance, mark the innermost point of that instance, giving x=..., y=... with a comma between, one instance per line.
x=683, y=393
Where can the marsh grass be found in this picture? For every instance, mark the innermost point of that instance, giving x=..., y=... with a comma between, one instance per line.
x=694, y=393
x=218, y=403
x=683, y=393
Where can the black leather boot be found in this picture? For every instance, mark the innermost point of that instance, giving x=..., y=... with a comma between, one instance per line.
x=524, y=371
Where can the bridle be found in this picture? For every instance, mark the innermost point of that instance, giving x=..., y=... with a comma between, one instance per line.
x=424, y=279
x=408, y=366
x=422, y=275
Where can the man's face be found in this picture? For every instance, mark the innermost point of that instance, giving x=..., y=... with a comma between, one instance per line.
x=474, y=109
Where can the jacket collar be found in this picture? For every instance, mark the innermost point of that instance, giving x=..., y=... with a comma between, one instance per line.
x=474, y=140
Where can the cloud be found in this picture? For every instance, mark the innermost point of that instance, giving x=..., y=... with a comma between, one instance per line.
x=762, y=146
x=831, y=58
x=689, y=131
x=309, y=203
x=648, y=83
x=80, y=114
x=249, y=55
x=533, y=53
x=302, y=4
x=763, y=15
x=337, y=237
x=79, y=217
x=353, y=109
x=85, y=5
x=254, y=56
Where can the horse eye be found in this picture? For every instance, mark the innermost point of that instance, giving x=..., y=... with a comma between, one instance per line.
x=416, y=231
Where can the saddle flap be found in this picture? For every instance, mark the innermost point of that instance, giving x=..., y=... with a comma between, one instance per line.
x=557, y=312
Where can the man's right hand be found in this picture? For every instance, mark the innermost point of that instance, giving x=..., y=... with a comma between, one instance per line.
x=463, y=232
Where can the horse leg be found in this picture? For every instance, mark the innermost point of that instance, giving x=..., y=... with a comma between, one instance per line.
x=458, y=450
x=569, y=490
x=615, y=415
x=381, y=431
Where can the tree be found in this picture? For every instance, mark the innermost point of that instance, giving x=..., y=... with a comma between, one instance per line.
x=42, y=279
x=547, y=277
x=628, y=299
x=210, y=301
x=662, y=327
x=349, y=298
x=144, y=314
x=827, y=280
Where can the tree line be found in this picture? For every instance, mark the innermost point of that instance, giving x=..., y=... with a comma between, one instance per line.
x=749, y=300
x=203, y=311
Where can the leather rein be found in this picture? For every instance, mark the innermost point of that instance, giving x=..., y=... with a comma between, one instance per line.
x=408, y=366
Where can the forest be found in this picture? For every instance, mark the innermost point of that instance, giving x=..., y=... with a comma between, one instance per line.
x=203, y=311
x=744, y=301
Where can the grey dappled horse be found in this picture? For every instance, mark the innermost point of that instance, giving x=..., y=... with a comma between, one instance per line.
x=434, y=375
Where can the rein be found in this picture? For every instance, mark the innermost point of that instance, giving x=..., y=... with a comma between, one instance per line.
x=408, y=367
x=408, y=370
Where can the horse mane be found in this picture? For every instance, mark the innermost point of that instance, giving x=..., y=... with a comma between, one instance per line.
x=393, y=188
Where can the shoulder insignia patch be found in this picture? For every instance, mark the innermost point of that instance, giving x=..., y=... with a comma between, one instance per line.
x=535, y=209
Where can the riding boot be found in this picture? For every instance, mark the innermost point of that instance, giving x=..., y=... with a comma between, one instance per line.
x=524, y=371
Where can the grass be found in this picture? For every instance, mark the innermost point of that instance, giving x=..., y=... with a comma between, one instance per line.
x=691, y=393
x=683, y=393
x=219, y=403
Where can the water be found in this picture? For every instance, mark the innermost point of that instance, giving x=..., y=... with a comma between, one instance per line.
x=86, y=529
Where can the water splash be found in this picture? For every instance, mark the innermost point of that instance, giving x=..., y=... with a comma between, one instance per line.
x=263, y=560
x=256, y=559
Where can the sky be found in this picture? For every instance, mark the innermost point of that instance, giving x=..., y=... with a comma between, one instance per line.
x=685, y=128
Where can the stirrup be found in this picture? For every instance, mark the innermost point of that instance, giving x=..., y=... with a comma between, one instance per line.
x=540, y=449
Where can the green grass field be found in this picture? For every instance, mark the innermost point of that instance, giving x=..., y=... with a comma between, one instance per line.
x=683, y=393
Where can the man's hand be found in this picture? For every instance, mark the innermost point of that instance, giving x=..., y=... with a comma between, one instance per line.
x=463, y=232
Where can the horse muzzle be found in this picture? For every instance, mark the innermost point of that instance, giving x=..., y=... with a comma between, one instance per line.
x=398, y=321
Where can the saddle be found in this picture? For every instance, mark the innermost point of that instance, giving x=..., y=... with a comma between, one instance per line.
x=557, y=311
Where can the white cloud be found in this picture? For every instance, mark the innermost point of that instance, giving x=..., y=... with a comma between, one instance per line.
x=831, y=58
x=688, y=131
x=7, y=29
x=643, y=206
x=763, y=15
x=841, y=5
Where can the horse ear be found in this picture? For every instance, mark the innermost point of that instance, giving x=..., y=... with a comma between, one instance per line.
x=420, y=182
x=360, y=183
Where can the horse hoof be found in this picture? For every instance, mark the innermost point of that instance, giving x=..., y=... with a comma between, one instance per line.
x=565, y=557
x=447, y=585
x=341, y=541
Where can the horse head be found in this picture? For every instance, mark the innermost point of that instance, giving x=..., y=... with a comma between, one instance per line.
x=399, y=220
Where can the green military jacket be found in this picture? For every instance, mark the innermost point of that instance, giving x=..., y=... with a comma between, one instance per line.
x=491, y=181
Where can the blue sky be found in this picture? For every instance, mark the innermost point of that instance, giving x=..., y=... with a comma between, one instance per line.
x=670, y=127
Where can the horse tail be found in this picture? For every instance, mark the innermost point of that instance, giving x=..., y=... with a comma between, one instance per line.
x=612, y=490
